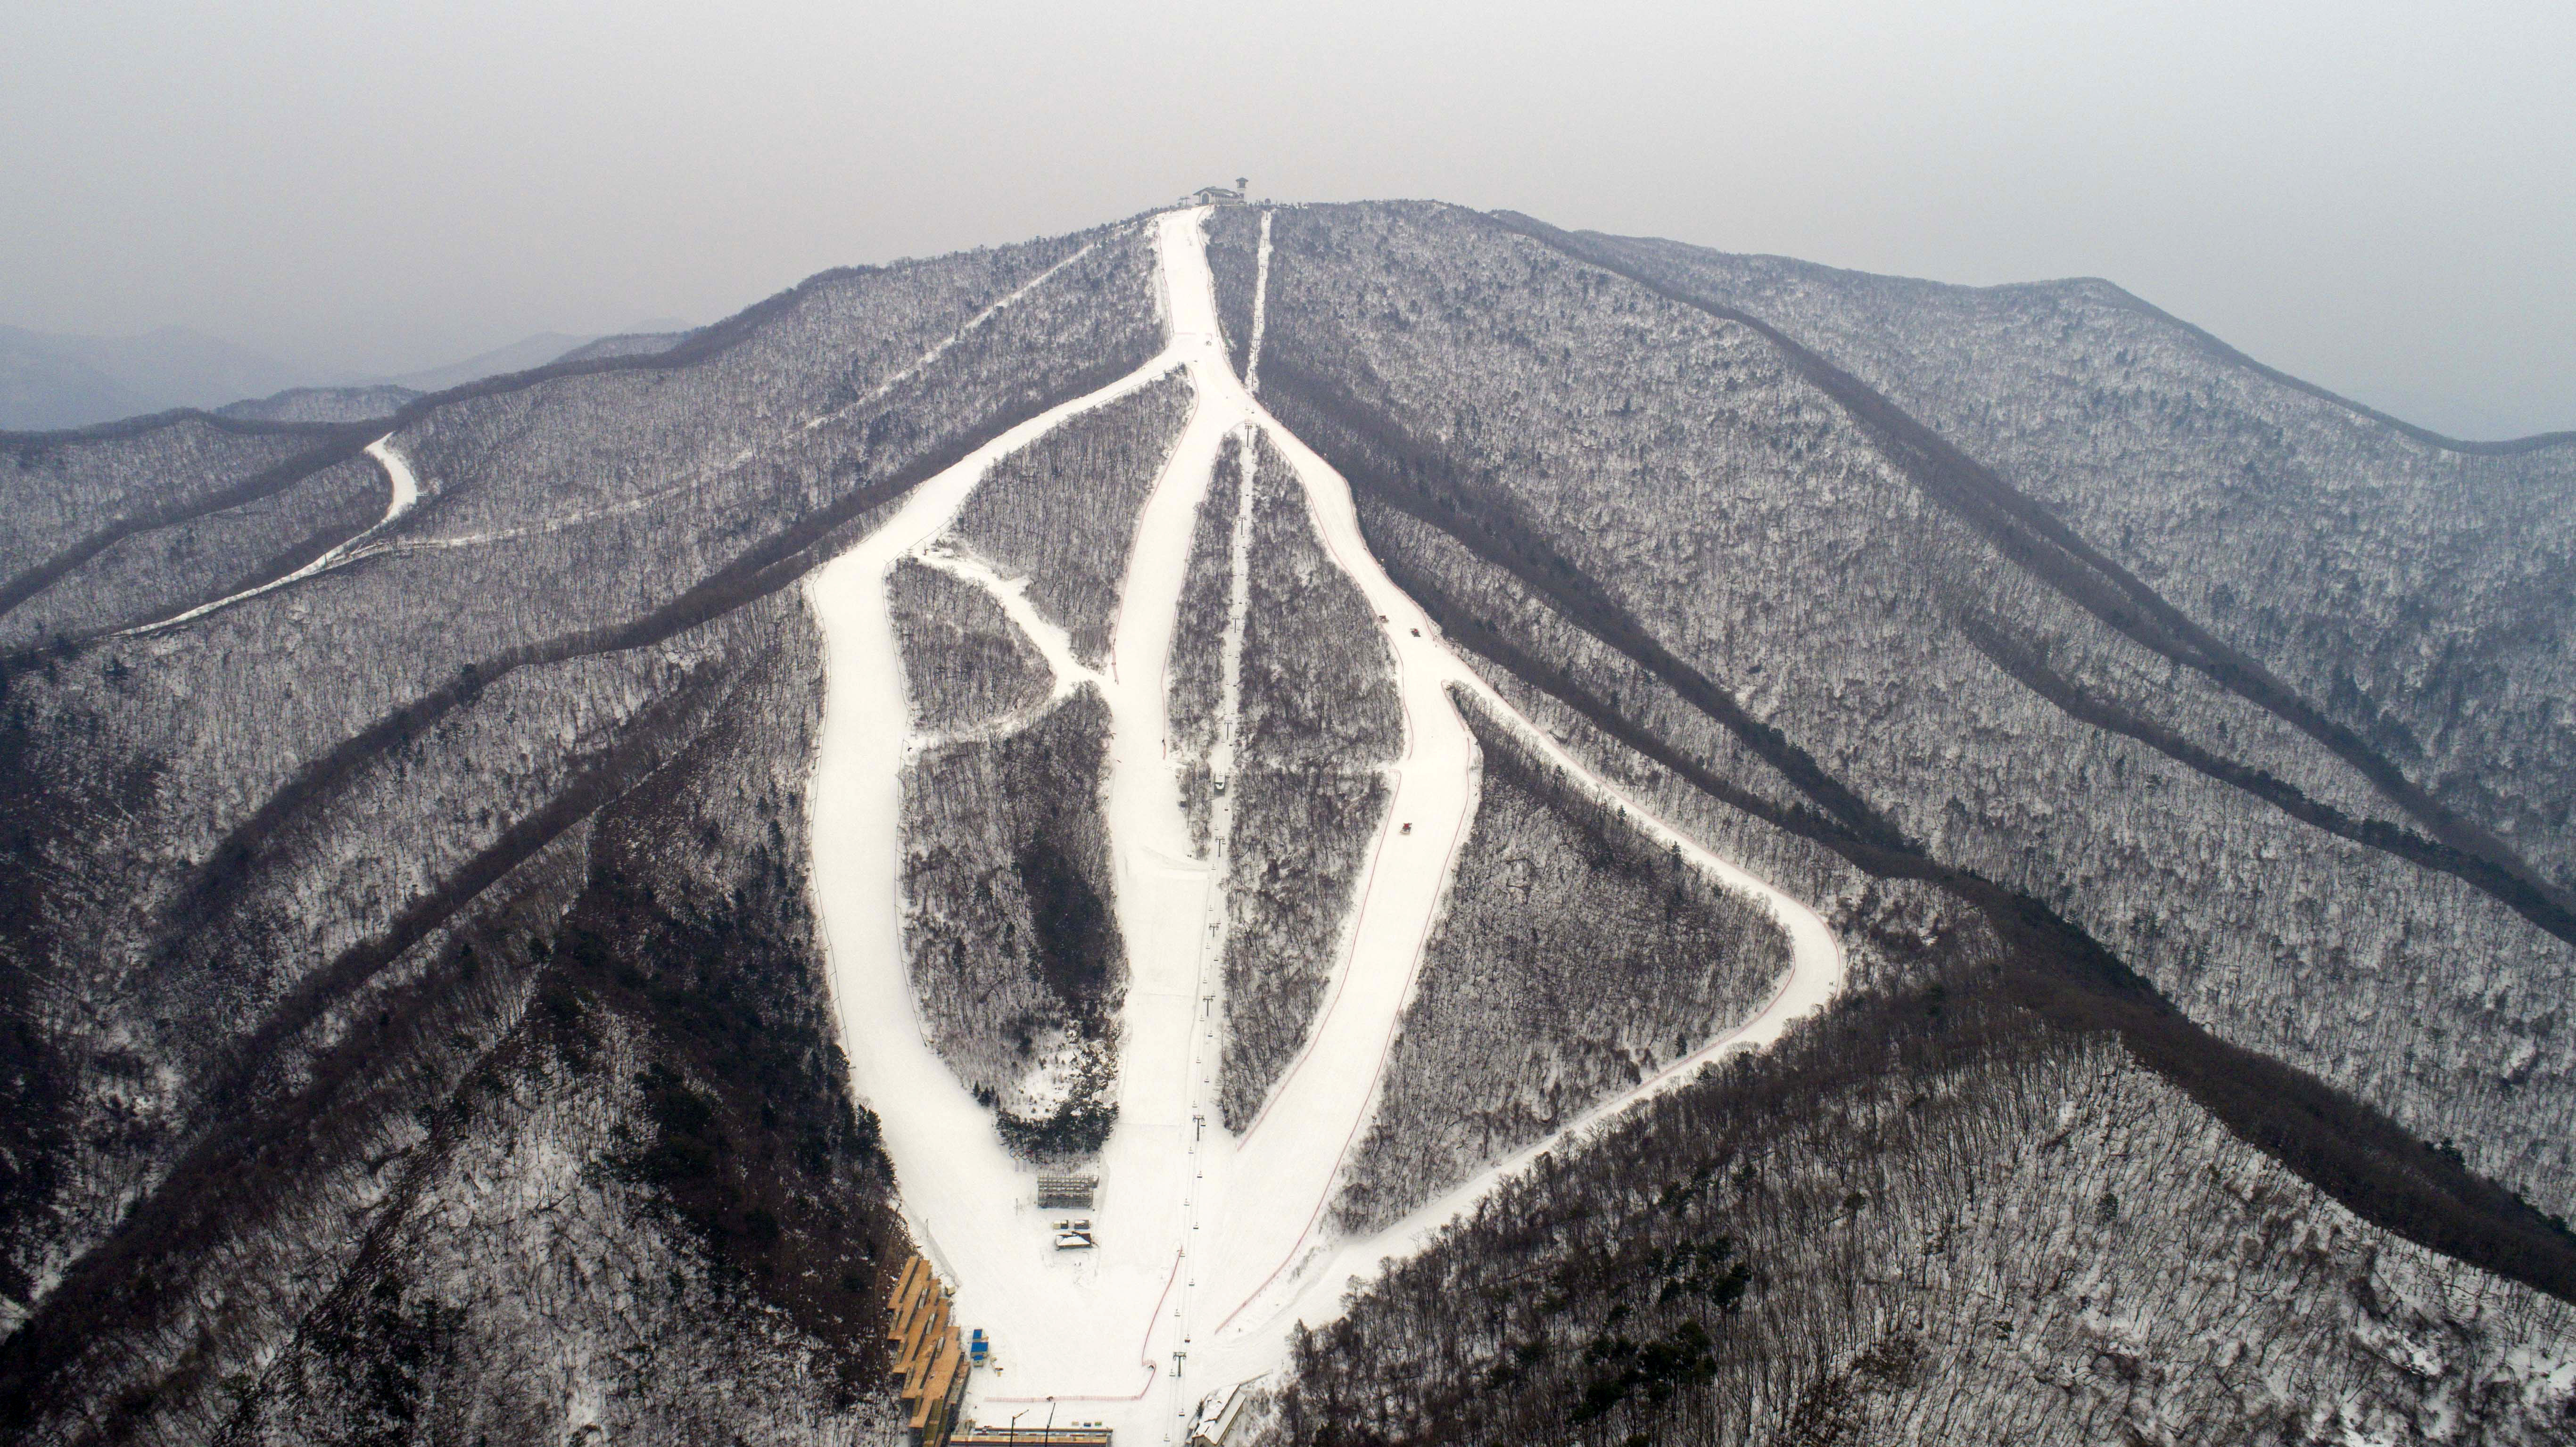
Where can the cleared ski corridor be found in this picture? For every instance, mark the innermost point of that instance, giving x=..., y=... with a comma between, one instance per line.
x=403, y=493
x=1210, y=1248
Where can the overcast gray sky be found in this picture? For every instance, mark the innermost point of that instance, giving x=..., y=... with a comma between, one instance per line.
x=2376, y=197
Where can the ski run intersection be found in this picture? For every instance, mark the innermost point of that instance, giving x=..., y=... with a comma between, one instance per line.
x=1211, y=1248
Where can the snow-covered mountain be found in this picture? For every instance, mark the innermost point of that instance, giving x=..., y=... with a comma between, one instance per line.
x=1566, y=837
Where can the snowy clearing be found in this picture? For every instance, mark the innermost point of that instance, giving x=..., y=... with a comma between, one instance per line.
x=1209, y=1247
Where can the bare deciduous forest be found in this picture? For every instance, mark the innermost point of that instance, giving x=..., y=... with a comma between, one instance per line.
x=1062, y=511
x=1803, y=579
x=1318, y=712
x=1574, y=960
x=417, y=1025
x=965, y=663
x=1008, y=920
x=248, y=857
x=1930, y=1218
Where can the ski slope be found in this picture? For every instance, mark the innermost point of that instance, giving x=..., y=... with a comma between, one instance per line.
x=402, y=495
x=1211, y=1247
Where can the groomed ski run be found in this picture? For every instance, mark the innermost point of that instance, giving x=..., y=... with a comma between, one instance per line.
x=1210, y=1248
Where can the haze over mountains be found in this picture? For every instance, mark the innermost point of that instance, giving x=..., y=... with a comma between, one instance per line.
x=49, y=381
x=1571, y=838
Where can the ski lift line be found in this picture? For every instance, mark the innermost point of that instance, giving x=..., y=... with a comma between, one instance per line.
x=1260, y=310
x=1394, y=773
x=947, y=343
x=1460, y=676
x=1407, y=1233
x=1457, y=676
x=1383, y=972
x=1377, y=1086
x=1166, y=675
x=933, y=509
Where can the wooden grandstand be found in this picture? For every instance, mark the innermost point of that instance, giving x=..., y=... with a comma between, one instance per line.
x=927, y=1353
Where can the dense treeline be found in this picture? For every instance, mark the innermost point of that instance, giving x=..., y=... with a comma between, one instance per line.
x=1062, y=511
x=343, y=761
x=253, y=839
x=965, y=663
x=1574, y=959
x=1195, y=696
x=1233, y=256
x=489, y=1118
x=1010, y=925
x=1318, y=681
x=1319, y=712
x=2270, y=513
x=1301, y=839
x=166, y=571
x=1671, y=485
x=72, y=496
x=1928, y=1217
x=414, y=1028
x=677, y=1018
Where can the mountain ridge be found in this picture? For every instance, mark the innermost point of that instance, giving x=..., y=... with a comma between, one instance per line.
x=2040, y=684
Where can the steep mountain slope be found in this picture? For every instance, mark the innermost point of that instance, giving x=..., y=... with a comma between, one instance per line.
x=1936, y=1221
x=1312, y=718
x=1569, y=838
x=2258, y=507
x=1575, y=958
x=252, y=854
x=1530, y=430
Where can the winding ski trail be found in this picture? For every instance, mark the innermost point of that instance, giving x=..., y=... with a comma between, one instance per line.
x=403, y=495
x=1210, y=1248
x=406, y=490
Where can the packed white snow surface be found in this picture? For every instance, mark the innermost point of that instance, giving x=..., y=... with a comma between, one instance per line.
x=1210, y=1248
x=404, y=492
x=1055, y=646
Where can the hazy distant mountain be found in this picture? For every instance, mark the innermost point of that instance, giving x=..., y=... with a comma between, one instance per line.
x=536, y=351
x=518, y=356
x=657, y=337
x=323, y=404
x=50, y=381
x=382, y=399
x=1365, y=824
x=41, y=388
